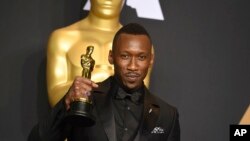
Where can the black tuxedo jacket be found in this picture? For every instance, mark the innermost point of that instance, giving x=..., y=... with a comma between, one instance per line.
x=159, y=123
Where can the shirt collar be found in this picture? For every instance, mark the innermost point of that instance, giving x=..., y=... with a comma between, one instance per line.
x=136, y=96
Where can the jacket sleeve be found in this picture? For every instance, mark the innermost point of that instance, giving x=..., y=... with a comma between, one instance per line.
x=175, y=130
x=52, y=128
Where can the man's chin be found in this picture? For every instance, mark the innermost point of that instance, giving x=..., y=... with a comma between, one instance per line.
x=132, y=85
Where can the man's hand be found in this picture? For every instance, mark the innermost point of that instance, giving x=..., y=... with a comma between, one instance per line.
x=80, y=88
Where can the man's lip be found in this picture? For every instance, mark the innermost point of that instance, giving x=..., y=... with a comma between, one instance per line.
x=132, y=76
x=131, y=79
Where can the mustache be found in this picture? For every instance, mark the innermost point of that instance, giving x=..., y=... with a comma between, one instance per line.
x=132, y=74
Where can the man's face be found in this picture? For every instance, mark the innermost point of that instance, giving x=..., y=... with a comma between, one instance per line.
x=132, y=58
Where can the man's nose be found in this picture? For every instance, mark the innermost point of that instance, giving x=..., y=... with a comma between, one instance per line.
x=133, y=64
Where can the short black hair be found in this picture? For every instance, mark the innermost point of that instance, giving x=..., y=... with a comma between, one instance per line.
x=131, y=28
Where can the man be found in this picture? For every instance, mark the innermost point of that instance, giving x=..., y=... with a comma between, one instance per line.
x=124, y=108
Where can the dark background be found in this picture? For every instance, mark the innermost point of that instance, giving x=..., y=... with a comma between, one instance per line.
x=202, y=63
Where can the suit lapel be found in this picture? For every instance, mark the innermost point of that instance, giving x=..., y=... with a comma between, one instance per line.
x=151, y=114
x=102, y=100
x=103, y=103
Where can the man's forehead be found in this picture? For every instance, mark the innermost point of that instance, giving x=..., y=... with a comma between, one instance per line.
x=125, y=38
x=138, y=49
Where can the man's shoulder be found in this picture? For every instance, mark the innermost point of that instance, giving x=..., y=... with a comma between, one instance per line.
x=164, y=106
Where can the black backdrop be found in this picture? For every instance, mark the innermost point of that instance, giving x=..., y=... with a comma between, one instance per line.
x=202, y=64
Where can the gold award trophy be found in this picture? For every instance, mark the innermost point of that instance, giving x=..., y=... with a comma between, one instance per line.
x=80, y=113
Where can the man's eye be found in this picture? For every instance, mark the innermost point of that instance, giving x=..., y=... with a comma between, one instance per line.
x=142, y=57
x=124, y=56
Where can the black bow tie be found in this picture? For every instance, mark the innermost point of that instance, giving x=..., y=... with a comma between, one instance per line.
x=134, y=97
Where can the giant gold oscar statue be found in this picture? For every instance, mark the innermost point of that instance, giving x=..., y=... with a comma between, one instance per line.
x=65, y=47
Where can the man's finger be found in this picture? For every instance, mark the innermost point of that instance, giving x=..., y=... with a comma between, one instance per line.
x=94, y=85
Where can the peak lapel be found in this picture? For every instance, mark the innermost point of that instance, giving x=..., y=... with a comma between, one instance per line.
x=150, y=116
x=103, y=103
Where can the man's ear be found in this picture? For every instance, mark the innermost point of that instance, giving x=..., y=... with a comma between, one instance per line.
x=152, y=59
x=111, y=57
x=152, y=56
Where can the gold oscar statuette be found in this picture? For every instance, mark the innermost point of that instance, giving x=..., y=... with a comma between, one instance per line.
x=80, y=113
